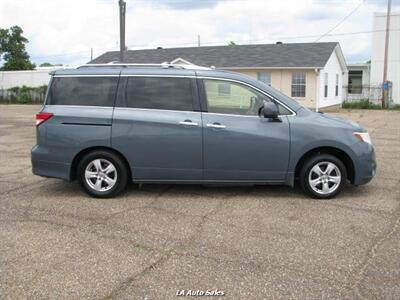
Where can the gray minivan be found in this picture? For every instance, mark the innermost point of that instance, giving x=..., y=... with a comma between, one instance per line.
x=106, y=125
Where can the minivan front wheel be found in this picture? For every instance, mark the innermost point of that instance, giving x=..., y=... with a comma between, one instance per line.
x=323, y=176
x=102, y=174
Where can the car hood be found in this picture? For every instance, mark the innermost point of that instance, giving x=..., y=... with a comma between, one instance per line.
x=351, y=124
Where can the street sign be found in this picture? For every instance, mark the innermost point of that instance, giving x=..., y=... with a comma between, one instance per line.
x=387, y=85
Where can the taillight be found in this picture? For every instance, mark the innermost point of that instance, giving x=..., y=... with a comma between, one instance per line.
x=42, y=117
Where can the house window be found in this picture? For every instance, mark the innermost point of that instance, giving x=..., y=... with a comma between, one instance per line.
x=337, y=85
x=224, y=89
x=326, y=86
x=264, y=77
x=298, y=84
x=355, y=82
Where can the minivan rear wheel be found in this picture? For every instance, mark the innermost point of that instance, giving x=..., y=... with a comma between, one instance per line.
x=323, y=176
x=102, y=174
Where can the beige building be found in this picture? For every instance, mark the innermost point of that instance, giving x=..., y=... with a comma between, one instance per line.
x=311, y=73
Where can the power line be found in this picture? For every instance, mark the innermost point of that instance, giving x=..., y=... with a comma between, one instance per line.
x=213, y=43
x=342, y=20
x=86, y=52
x=267, y=38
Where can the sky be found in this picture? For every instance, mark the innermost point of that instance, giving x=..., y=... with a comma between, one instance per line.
x=64, y=31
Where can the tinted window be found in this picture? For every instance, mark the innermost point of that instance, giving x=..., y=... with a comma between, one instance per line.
x=92, y=91
x=159, y=93
x=355, y=82
x=241, y=100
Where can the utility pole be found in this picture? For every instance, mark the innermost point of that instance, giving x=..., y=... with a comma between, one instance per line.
x=385, y=63
x=122, y=10
x=91, y=54
x=198, y=40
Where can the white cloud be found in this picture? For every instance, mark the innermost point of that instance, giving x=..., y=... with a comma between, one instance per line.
x=65, y=30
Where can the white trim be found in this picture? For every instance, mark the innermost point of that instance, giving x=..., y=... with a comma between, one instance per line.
x=176, y=60
x=340, y=56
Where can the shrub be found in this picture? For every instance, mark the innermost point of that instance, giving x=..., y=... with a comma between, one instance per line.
x=24, y=95
x=362, y=104
x=366, y=104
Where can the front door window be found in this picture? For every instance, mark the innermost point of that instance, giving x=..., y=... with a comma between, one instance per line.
x=238, y=99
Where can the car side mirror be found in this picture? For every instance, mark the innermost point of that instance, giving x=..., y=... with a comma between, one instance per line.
x=270, y=110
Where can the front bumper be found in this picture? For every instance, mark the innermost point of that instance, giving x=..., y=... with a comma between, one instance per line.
x=365, y=164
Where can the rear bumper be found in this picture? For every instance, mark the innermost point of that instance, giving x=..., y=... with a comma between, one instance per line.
x=45, y=168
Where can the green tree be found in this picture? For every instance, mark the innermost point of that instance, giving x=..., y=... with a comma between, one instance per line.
x=46, y=64
x=232, y=43
x=12, y=50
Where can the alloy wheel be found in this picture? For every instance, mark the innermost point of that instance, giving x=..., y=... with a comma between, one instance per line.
x=101, y=175
x=324, y=177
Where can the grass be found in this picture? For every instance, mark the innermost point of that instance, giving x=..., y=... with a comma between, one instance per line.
x=365, y=104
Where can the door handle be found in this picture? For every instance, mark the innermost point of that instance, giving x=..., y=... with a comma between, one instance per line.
x=188, y=123
x=216, y=125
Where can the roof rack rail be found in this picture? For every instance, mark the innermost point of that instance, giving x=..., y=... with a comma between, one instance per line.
x=164, y=65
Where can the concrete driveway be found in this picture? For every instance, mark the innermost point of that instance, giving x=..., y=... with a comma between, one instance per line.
x=247, y=242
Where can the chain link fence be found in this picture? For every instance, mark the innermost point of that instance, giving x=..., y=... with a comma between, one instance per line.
x=369, y=93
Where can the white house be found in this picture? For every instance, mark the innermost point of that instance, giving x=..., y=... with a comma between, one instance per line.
x=357, y=85
x=330, y=79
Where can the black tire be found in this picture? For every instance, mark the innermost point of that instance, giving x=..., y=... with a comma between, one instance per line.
x=121, y=173
x=309, y=165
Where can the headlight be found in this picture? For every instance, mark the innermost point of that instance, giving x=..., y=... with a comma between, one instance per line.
x=363, y=137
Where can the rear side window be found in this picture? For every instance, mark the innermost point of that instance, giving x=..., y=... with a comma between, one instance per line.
x=89, y=91
x=167, y=93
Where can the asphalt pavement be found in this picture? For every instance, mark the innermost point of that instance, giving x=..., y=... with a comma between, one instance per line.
x=265, y=242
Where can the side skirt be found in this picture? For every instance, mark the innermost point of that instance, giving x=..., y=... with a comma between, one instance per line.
x=213, y=182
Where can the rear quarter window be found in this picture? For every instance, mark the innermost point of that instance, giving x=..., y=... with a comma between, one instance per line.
x=87, y=91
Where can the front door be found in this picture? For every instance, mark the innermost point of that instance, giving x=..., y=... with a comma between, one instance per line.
x=239, y=145
x=157, y=129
